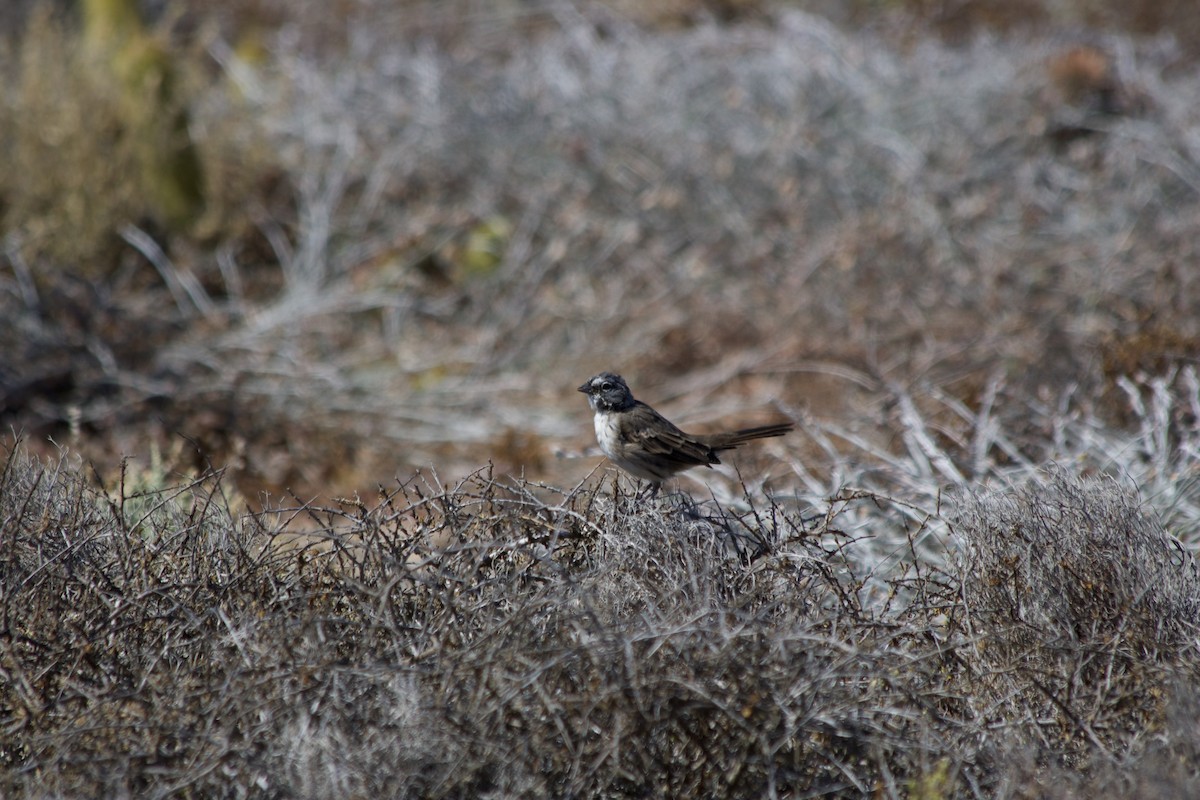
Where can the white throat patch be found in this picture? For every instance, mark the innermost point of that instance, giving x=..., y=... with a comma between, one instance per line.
x=607, y=433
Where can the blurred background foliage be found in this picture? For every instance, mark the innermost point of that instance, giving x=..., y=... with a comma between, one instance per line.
x=326, y=242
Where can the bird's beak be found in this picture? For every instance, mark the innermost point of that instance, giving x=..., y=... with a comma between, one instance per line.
x=585, y=388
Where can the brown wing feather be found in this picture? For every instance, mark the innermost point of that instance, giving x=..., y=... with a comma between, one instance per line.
x=650, y=435
x=665, y=440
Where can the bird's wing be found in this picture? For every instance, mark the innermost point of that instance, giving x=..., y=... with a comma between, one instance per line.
x=658, y=436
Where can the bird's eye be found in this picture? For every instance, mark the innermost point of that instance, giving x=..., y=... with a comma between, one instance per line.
x=604, y=387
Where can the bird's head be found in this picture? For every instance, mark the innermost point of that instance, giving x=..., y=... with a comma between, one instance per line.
x=607, y=392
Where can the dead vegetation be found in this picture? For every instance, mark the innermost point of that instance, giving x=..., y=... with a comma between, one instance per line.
x=492, y=638
x=413, y=246
x=955, y=265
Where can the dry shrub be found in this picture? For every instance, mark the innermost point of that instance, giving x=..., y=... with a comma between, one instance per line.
x=960, y=20
x=797, y=199
x=115, y=634
x=447, y=642
x=1084, y=608
x=598, y=646
x=498, y=638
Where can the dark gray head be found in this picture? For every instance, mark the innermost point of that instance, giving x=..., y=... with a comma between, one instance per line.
x=607, y=392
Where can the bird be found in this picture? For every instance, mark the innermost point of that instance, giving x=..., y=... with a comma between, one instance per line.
x=646, y=444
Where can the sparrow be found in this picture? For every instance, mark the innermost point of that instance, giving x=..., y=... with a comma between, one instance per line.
x=646, y=444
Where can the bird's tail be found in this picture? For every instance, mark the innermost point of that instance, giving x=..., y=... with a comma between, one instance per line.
x=728, y=441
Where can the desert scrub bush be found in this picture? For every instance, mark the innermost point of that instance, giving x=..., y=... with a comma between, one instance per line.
x=1084, y=612
x=488, y=637
x=818, y=214
x=1005, y=437
x=592, y=646
x=113, y=639
x=497, y=637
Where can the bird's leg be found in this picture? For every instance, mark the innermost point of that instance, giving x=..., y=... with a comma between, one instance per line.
x=652, y=489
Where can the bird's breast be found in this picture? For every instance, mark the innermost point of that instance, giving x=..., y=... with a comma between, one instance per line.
x=608, y=433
